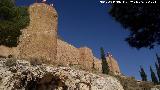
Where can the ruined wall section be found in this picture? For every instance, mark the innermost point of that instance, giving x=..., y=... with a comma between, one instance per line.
x=39, y=39
x=86, y=58
x=113, y=65
x=97, y=64
x=67, y=54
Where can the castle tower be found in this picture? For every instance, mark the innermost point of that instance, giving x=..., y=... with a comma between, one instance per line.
x=113, y=65
x=39, y=39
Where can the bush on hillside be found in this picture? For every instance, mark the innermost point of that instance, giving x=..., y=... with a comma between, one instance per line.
x=12, y=20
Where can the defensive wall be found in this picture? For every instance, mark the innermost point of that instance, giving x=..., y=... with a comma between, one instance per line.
x=39, y=40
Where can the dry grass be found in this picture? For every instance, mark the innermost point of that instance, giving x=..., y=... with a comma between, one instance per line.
x=36, y=61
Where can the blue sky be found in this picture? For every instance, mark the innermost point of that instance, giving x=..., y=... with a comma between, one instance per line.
x=87, y=23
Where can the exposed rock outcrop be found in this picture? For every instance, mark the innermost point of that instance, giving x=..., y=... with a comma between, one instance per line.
x=21, y=75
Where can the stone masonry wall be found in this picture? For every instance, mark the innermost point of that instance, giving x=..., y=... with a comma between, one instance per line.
x=39, y=39
x=113, y=65
x=97, y=64
x=86, y=58
x=67, y=54
x=6, y=51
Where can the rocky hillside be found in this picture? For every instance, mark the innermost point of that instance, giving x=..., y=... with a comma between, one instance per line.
x=24, y=75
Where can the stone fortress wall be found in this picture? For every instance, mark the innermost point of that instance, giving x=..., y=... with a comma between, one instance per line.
x=113, y=65
x=87, y=58
x=39, y=40
x=67, y=54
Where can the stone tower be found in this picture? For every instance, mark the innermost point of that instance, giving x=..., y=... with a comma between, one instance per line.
x=39, y=39
x=113, y=65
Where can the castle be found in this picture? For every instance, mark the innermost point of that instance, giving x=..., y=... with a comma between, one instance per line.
x=39, y=40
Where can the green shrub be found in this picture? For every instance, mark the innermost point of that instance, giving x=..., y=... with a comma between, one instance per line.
x=12, y=20
x=11, y=62
x=36, y=61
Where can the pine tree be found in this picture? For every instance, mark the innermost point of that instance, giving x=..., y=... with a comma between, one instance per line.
x=12, y=20
x=153, y=76
x=158, y=66
x=158, y=70
x=105, y=67
x=158, y=59
x=143, y=74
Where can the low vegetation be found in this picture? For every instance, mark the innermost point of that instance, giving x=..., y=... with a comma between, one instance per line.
x=154, y=78
x=36, y=61
x=11, y=62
